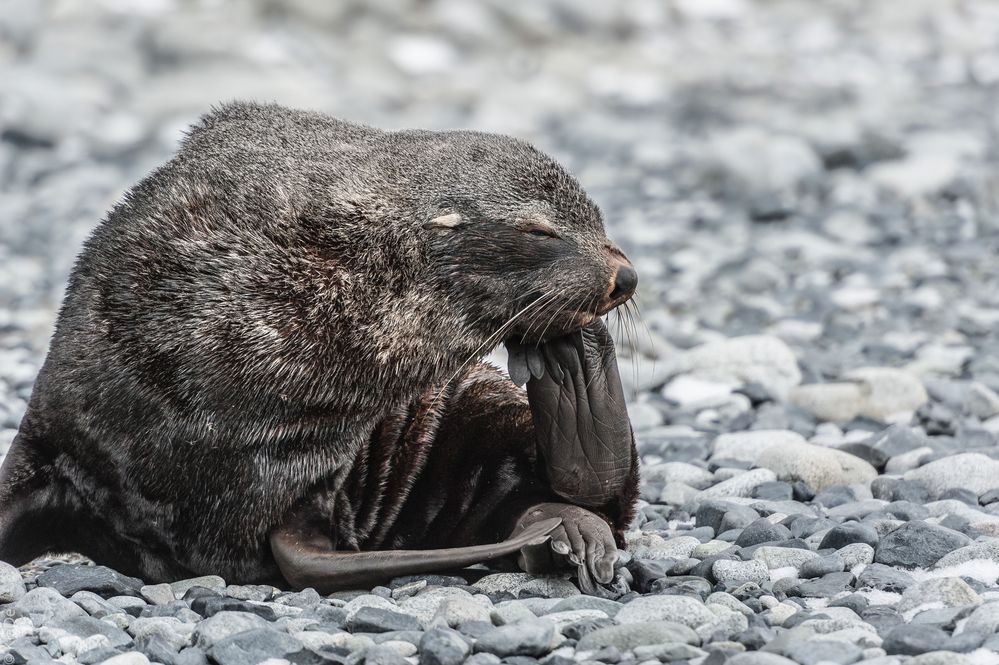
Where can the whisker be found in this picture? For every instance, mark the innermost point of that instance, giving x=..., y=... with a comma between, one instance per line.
x=502, y=304
x=641, y=319
x=493, y=338
x=633, y=337
x=536, y=320
x=648, y=333
x=551, y=319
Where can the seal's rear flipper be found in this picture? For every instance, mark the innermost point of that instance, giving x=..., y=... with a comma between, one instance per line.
x=306, y=558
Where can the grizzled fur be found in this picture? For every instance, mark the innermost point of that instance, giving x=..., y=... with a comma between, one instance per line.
x=270, y=319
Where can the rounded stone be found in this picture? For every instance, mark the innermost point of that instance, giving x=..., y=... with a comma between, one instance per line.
x=748, y=446
x=675, y=609
x=918, y=544
x=848, y=533
x=628, y=636
x=836, y=402
x=677, y=472
x=11, y=583
x=254, y=646
x=222, y=625
x=762, y=531
x=760, y=359
x=581, y=602
x=824, y=652
x=783, y=557
x=127, y=658
x=442, y=646
x=212, y=582
x=972, y=471
x=67, y=579
x=887, y=393
x=758, y=658
x=856, y=554
x=938, y=592
x=526, y=638
x=516, y=583
x=736, y=573
x=816, y=466
x=986, y=550
x=884, y=578
x=832, y=563
x=42, y=605
x=984, y=620
x=741, y=485
x=913, y=639
x=381, y=620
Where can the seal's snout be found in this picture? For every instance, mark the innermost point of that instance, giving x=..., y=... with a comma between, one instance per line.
x=622, y=285
x=625, y=281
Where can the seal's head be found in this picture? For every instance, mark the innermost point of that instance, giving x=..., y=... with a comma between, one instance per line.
x=515, y=234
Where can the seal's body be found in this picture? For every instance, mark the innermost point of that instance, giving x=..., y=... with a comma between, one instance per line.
x=282, y=326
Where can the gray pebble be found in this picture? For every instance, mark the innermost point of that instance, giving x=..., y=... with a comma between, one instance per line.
x=384, y=655
x=253, y=646
x=220, y=626
x=736, y=573
x=67, y=579
x=629, y=636
x=919, y=544
x=884, y=578
x=581, y=602
x=913, y=639
x=380, y=620
x=94, y=605
x=724, y=515
x=762, y=530
x=482, y=659
x=690, y=612
x=822, y=652
x=443, y=646
x=212, y=582
x=526, y=638
x=848, y=533
x=824, y=587
x=11, y=583
x=157, y=594
x=831, y=563
x=42, y=605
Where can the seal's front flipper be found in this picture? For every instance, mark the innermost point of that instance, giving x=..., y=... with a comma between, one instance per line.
x=306, y=557
x=581, y=423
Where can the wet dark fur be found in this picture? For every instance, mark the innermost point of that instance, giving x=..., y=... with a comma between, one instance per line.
x=268, y=319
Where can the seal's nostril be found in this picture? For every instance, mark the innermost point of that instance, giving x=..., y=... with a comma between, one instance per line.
x=625, y=282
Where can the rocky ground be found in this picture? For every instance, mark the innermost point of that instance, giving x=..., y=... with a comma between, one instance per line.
x=809, y=192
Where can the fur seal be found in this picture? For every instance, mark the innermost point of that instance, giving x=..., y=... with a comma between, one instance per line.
x=266, y=365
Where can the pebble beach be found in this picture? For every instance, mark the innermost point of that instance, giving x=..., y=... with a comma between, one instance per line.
x=810, y=195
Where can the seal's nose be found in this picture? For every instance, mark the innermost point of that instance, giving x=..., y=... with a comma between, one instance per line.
x=624, y=282
x=623, y=285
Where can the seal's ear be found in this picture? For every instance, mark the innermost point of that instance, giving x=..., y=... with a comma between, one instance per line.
x=446, y=222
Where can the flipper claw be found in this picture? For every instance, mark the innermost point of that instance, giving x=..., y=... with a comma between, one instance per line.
x=535, y=362
x=517, y=363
